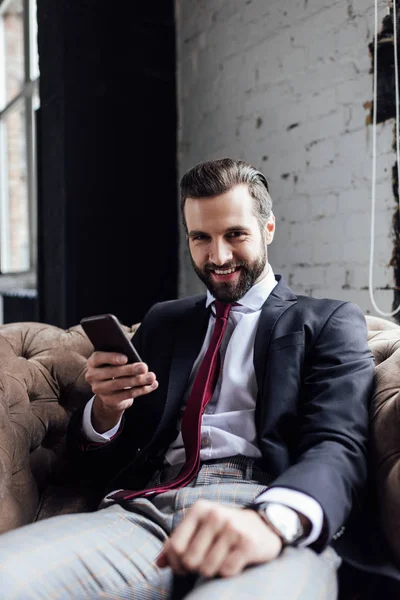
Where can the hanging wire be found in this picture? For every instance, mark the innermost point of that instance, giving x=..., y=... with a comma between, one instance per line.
x=374, y=153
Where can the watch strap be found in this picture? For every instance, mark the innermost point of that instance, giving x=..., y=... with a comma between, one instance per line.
x=260, y=508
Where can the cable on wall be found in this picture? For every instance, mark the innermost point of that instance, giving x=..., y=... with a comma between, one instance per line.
x=374, y=153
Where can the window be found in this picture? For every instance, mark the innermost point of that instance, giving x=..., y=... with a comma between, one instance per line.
x=19, y=98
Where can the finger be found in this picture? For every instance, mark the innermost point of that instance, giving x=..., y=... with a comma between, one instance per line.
x=98, y=359
x=112, y=396
x=170, y=559
x=142, y=391
x=182, y=535
x=103, y=386
x=234, y=563
x=176, y=546
x=107, y=358
x=143, y=380
x=110, y=372
x=218, y=553
x=161, y=561
x=202, y=541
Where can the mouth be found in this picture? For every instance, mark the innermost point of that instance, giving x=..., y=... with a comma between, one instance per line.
x=225, y=274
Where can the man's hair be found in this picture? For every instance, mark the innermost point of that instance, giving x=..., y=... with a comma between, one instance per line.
x=215, y=177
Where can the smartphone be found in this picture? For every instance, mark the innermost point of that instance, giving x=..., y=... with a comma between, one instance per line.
x=106, y=334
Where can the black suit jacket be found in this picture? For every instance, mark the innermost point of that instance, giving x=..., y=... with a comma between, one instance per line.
x=314, y=372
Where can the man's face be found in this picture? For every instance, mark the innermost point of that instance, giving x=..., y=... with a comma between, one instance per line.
x=227, y=247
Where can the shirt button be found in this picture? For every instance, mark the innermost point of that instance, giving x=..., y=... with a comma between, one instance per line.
x=205, y=441
x=210, y=410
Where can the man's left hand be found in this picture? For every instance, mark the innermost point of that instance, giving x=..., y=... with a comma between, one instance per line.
x=214, y=539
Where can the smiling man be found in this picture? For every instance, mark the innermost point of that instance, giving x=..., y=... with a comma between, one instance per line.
x=233, y=455
x=229, y=251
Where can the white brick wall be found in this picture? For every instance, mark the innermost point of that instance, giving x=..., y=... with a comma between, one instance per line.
x=281, y=84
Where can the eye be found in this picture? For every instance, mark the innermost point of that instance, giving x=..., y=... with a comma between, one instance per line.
x=235, y=234
x=199, y=238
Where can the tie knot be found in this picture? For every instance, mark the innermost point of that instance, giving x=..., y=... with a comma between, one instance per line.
x=222, y=309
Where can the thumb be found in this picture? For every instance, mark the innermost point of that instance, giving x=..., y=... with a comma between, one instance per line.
x=161, y=560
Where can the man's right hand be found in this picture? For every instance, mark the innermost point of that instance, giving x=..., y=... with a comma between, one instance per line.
x=115, y=385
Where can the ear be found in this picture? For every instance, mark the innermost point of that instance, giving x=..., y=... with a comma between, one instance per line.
x=270, y=228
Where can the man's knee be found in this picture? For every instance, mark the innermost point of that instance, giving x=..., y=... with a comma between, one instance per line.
x=297, y=573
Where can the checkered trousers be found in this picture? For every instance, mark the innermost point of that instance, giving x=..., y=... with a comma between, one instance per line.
x=111, y=553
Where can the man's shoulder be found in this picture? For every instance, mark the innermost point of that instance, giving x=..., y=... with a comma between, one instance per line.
x=319, y=311
x=326, y=304
x=171, y=309
x=320, y=305
x=329, y=315
x=181, y=304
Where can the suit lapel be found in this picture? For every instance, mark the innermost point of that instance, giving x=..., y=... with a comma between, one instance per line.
x=187, y=347
x=279, y=300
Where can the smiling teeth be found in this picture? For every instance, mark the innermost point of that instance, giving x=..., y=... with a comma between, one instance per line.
x=227, y=272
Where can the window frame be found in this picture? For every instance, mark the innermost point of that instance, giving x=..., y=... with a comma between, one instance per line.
x=27, y=97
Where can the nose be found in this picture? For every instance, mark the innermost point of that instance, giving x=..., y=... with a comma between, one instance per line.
x=220, y=252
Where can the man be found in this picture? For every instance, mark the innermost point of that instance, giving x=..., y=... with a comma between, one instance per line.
x=234, y=454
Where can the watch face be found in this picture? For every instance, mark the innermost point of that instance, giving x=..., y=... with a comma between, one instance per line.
x=285, y=520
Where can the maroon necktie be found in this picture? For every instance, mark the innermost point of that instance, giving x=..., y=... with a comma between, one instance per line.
x=202, y=390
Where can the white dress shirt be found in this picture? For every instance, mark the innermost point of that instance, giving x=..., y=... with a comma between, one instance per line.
x=228, y=424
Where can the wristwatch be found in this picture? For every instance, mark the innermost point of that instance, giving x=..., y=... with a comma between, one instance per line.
x=284, y=521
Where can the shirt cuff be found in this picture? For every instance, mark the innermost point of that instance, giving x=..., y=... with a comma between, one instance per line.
x=88, y=430
x=300, y=502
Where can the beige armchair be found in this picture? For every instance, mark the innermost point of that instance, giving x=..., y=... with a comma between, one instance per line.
x=42, y=382
x=384, y=341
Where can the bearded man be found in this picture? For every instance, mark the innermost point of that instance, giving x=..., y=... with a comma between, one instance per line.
x=233, y=455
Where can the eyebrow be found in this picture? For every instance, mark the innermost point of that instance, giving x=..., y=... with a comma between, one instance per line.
x=196, y=232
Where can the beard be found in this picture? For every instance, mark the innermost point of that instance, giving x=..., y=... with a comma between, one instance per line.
x=227, y=291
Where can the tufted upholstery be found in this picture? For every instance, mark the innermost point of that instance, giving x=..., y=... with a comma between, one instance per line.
x=384, y=341
x=42, y=382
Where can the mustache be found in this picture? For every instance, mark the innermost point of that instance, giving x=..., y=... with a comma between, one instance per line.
x=211, y=266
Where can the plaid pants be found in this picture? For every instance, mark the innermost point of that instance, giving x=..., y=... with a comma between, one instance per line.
x=111, y=553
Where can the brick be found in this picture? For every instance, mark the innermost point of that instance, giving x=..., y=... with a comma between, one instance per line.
x=331, y=125
x=324, y=181
x=292, y=116
x=328, y=253
x=254, y=12
x=353, y=91
x=271, y=96
x=301, y=232
x=323, y=206
x=382, y=276
x=192, y=18
x=322, y=103
x=345, y=37
x=294, y=60
x=354, y=201
x=320, y=76
x=360, y=7
x=299, y=209
x=309, y=277
x=301, y=254
x=322, y=154
x=320, y=47
x=331, y=18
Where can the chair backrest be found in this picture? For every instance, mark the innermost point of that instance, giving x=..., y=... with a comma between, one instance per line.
x=384, y=341
x=42, y=381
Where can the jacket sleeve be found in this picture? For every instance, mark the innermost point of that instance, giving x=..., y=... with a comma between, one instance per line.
x=331, y=459
x=96, y=463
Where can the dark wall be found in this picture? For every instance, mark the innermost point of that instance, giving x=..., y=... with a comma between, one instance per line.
x=108, y=223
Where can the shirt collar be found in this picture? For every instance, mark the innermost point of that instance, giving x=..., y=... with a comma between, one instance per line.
x=257, y=295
